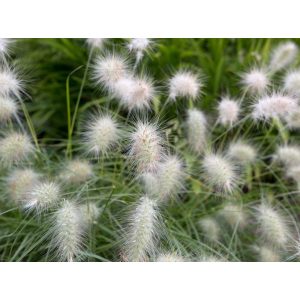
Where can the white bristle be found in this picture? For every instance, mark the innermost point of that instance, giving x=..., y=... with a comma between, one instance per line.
x=210, y=228
x=170, y=257
x=10, y=85
x=288, y=155
x=229, y=111
x=256, y=81
x=8, y=109
x=242, y=153
x=268, y=254
x=234, y=215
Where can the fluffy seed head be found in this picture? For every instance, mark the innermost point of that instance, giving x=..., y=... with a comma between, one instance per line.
x=293, y=119
x=184, y=84
x=101, y=134
x=139, y=44
x=292, y=83
x=42, y=196
x=272, y=225
x=3, y=46
x=242, y=153
x=134, y=93
x=256, y=81
x=68, y=231
x=273, y=106
x=267, y=254
x=219, y=172
x=77, y=171
x=146, y=147
x=294, y=173
x=15, y=147
x=95, y=42
x=288, y=155
x=142, y=231
x=283, y=56
x=228, y=112
x=8, y=109
x=19, y=182
x=210, y=228
x=9, y=83
x=234, y=215
x=109, y=69
x=196, y=130
x=91, y=213
x=170, y=257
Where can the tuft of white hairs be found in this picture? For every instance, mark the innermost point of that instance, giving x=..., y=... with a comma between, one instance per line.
x=293, y=119
x=146, y=149
x=234, y=215
x=288, y=155
x=210, y=228
x=167, y=181
x=291, y=83
x=170, y=257
x=210, y=258
x=76, y=171
x=196, y=130
x=68, y=231
x=10, y=84
x=268, y=254
x=273, y=226
x=228, y=112
x=108, y=69
x=219, y=172
x=134, y=93
x=283, y=56
x=242, y=153
x=294, y=173
x=95, y=42
x=255, y=81
x=42, y=196
x=102, y=133
x=273, y=106
x=8, y=109
x=139, y=46
x=4, y=47
x=91, y=213
x=142, y=231
x=184, y=84
x=19, y=182
x=15, y=147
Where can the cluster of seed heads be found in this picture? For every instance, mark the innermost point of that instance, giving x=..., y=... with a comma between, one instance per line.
x=218, y=165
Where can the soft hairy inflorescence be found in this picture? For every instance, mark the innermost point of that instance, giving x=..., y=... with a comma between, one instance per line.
x=139, y=46
x=42, y=196
x=96, y=42
x=8, y=109
x=19, y=182
x=272, y=225
x=134, y=92
x=255, y=81
x=4, y=47
x=146, y=149
x=142, y=231
x=292, y=83
x=283, y=56
x=184, y=84
x=68, y=231
x=196, y=130
x=242, y=153
x=170, y=257
x=210, y=228
x=76, y=171
x=101, y=134
x=15, y=147
x=276, y=105
x=268, y=254
x=229, y=111
x=91, y=213
x=10, y=84
x=219, y=172
x=288, y=155
x=293, y=119
x=294, y=173
x=234, y=215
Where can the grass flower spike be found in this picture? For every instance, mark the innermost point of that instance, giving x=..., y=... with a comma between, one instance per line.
x=255, y=81
x=228, y=112
x=242, y=153
x=8, y=109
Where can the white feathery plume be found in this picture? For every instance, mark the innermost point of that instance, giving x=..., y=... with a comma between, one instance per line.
x=210, y=228
x=15, y=147
x=288, y=155
x=242, y=153
x=76, y=171
x=228, y=112
x=146, y=149
x=42, y=196
x=134, y=93
x=273, y=226
x=210, y=258
x=268, y=254
x=102, y=133
x=19, y=182
x=91, y=213
x=68, y=231
x=95, y=42
x=234, y=215
x=196, y=130
x=170, y=257
x=255, y=81
x=293, y=119
x=294, y=173
x=219, y=172
x=274, y=106
x=10, y=84
x=184, y=84
x=292, y=83
x=108, y=69
x=8, y=109
x=139, y=46
x=142, y=231
x=283, y=55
